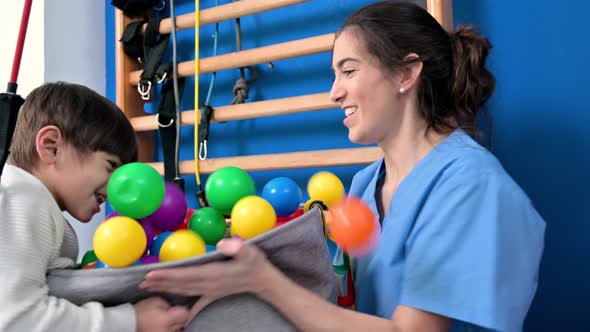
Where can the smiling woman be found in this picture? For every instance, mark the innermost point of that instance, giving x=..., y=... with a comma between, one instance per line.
x=451, y=216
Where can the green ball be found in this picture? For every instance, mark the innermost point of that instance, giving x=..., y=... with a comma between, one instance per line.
x=89, y=257
x=209, y=224
x=135, y=190
x=226, y=186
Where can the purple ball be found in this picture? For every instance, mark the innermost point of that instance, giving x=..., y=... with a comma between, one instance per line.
x=112, y=214
x=149, y=231
x=172, y=211
x=149, y=259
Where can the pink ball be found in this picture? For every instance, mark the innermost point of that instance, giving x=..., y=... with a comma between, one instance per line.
x=171, y=212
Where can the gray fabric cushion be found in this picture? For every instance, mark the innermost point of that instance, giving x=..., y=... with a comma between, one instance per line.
x=297, y=248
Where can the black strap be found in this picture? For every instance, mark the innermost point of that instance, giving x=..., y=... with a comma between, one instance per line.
x=206, y=114
x=132, y=40
x=9, y=107
x=167, y=127
x=204, y=123
x=134, y=7
x=154, y=46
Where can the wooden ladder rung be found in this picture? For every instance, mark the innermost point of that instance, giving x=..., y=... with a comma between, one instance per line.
x=223, y=13
x=258, y=109
x=289, y=160
x=251, y=57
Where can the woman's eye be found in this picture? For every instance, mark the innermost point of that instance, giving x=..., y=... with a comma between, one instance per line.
x=348, y=72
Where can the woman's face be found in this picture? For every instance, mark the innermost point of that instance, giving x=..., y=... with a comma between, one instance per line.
x=364, y=89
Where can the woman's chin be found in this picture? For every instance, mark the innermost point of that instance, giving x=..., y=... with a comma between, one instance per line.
x=359, y=138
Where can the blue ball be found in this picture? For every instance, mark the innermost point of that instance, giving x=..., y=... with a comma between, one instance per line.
x=283, y=194
x=101, y=265
x=157, y=244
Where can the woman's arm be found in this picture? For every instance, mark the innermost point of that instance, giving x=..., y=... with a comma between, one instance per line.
x=310, y=312
x=250, y=272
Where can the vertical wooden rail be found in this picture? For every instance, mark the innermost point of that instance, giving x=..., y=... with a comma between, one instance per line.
x=128, y=98
x=442, y=10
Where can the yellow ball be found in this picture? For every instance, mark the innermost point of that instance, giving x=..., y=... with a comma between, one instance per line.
x=252, y=216
x=119, y=241
x=326, y=187
x=180, y=245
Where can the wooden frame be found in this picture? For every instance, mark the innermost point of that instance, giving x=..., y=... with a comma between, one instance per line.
x=130, y=102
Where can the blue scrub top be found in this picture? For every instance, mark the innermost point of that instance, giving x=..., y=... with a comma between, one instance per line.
x=460, y=239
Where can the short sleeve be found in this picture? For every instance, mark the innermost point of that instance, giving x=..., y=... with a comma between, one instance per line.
x=473, y=253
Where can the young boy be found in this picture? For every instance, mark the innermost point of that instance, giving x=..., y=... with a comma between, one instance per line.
x=68, y=140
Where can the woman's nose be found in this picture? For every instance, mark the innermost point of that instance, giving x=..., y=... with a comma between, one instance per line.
x=336, y=93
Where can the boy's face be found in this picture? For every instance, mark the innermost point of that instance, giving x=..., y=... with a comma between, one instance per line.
x=76, y=180
x=82, y=179
x=79, y=181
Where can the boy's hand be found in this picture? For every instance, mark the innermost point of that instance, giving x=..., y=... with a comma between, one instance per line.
x=156, y=315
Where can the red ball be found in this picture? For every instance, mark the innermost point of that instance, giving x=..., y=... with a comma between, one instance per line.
x=187, y=218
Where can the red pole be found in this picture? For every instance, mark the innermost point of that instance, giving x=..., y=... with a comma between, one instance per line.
x=21, y=41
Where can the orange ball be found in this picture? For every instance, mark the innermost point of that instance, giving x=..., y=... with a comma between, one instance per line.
x=353, y=225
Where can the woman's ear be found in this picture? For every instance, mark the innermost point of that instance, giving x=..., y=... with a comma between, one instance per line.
x=410, y=72
x=48, y=142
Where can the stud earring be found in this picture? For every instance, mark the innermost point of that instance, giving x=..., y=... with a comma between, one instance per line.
x=402, y=90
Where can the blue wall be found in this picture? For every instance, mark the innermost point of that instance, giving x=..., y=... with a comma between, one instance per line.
x=541, y=121
x=540, y=117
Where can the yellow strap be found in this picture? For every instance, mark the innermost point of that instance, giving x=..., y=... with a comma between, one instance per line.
x=197, y=110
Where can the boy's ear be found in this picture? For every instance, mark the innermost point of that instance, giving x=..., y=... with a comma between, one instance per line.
x=410, y=72
x=48, y=142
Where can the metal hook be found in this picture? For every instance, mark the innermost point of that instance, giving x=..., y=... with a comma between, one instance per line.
x=203, y=150
x=163, y=125
x=160, y=80
x=161, y=7
x=145, y=94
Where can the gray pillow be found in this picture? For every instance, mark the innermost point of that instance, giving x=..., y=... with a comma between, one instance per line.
x=298, y=249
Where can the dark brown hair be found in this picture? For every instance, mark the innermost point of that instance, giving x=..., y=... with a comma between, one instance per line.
x=454, y=82
x=87, y=120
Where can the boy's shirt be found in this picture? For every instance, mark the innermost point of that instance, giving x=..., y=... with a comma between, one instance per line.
x=34, y=238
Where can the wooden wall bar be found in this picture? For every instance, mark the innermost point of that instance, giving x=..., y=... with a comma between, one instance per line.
x=224, y=12
x=258, y=109
x=289, y=160
x=129, y=100
x=253, y=56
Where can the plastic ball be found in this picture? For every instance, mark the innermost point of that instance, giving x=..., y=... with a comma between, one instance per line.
x=157, y=244
x=226, y=186
x=135, y=190
x=89, y=266
x=119, y=241
x=209, y=224
x=149, y=232
x=283, y=194
x=353, y=226
x=149, y=260
x=89, y=257
x=326, y=187
x=180, y=245
x=112, y=214
x=100, y=265
x=283, y=220
x=252, y=216
x=187, y=218
x=171, y=212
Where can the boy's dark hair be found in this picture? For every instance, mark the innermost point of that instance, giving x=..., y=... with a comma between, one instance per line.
x=454, y=82
x=87, y=120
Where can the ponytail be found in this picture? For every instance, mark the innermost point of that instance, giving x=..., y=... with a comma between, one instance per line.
x=472, y=84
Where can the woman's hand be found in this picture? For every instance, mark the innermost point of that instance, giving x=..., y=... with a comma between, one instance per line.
x=246, y=272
